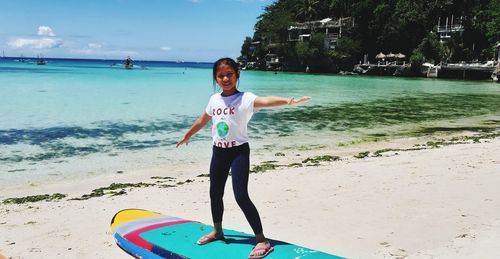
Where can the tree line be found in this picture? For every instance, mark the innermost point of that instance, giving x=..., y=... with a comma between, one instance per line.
x=397, y=26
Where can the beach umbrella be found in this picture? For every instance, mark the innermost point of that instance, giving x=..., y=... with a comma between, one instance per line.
x=380, y=55
x=390, y=55
x=400, y=55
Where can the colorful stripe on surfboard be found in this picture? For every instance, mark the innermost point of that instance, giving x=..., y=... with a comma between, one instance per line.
x=128, y=224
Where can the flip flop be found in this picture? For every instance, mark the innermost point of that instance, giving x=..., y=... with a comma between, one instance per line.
x=207, y=239
x=266, y=250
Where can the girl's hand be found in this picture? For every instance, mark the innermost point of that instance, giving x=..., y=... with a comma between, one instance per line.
x=183, y=140
x=299, y=101
x=198, y=124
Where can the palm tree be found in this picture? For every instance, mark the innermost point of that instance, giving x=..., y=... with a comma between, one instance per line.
x=306, y=10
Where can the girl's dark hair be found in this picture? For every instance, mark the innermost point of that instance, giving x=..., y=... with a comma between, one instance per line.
x=227, y=61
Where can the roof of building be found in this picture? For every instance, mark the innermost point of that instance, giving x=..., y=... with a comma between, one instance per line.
x=323, y=23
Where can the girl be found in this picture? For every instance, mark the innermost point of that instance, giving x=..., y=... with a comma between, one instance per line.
x=230, y=112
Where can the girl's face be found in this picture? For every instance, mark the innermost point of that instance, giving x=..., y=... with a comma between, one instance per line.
x=226, y=78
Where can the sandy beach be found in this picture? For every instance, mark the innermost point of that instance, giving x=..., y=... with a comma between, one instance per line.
x=425, y=203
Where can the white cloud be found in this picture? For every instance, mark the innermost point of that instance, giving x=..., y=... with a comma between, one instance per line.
x=45, y=41
x=42, y=43
x=45, y=31
x=165, y=48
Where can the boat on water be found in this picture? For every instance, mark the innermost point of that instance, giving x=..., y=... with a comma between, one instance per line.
x=40, y=60
x=128, y=63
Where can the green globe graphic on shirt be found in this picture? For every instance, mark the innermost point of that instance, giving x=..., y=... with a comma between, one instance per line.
x=222, y=129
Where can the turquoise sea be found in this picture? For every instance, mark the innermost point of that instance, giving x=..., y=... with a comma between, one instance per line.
x=93, y=116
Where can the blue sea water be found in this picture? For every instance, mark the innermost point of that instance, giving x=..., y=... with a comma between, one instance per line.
x=51, y=114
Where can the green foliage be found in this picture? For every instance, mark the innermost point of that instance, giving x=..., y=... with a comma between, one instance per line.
x=492, y=21
x=431, y=49
x=304, y=52
x=380, y=26
x=245, y=48
x=306, y=10
x=417, y=57
x=346, y=48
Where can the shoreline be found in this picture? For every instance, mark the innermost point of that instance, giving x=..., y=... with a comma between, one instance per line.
x=266, y=157
x=388, y=206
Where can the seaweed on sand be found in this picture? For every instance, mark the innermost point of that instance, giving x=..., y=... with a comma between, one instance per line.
x=34, y=198
x=112, y=190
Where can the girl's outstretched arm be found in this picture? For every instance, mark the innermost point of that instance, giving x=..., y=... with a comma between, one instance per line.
x=197, y=125
x=272, y=101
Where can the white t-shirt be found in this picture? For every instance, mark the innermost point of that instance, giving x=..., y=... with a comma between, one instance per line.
x=230, y=117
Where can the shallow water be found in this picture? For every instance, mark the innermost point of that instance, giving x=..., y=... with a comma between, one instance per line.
x=80, y=110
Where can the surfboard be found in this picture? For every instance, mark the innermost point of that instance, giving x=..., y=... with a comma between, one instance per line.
x=147, y=234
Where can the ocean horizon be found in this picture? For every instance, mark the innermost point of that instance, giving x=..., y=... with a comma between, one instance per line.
x=13, y=58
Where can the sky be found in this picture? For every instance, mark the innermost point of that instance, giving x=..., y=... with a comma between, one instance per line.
x=168, y=30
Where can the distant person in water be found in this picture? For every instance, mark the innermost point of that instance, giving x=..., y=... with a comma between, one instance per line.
x=128, y=62
x=230, y=112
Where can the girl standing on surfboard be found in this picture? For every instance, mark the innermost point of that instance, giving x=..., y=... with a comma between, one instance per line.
x=230, y=112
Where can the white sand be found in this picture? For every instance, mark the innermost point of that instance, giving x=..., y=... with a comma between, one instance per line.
x=433, y=203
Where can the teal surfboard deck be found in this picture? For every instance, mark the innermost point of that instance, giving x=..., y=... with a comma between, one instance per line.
x=158, y=236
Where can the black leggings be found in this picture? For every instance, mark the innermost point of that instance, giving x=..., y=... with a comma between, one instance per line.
x=238, y=159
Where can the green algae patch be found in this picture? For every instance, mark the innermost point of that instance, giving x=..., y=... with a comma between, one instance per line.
x=435, y=144
x=306, y=147
x=477, y=138
x=433, y=130
x=379, y=152
x=34, y=198
x=113, y=189
x=362, y=154
x=462, y=139
x=311, y=161
x=269, y=162
x=362, y=140
x=166, y=185
x=295, y=165
x=401, y=110
x=318, y=159
x=187, y=181
x=491, y=122
x=265, y=166
x=162, y=178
